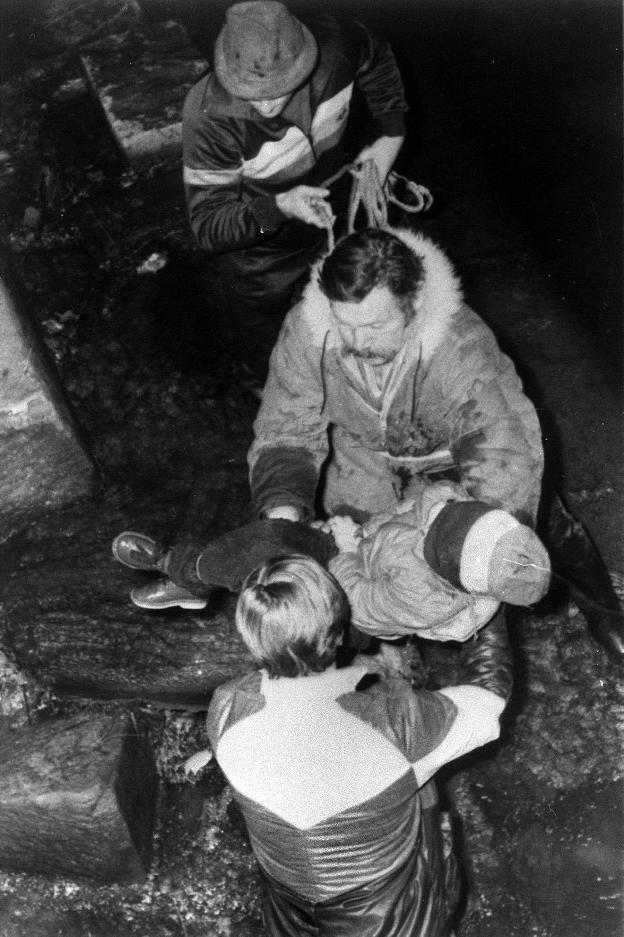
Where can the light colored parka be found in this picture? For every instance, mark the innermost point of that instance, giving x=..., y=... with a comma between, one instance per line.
x=451, y=390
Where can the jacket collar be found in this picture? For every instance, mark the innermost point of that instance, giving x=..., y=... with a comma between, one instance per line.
x=331, y=683
x=441, y=294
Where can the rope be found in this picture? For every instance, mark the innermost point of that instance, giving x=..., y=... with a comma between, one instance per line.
x=368, y=192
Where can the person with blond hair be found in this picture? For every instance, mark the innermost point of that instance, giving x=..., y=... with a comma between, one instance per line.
x=332, y=765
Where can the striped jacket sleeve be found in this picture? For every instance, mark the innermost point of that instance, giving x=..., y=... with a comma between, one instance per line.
x=222, y=213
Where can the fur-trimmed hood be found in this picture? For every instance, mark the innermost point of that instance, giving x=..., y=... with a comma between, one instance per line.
x=441, y=295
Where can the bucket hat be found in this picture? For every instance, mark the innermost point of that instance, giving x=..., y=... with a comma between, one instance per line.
x=263, y=51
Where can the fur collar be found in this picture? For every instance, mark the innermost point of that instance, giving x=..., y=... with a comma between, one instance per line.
x=442, y=294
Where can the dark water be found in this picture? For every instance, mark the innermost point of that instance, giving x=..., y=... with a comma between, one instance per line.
x=539, y=84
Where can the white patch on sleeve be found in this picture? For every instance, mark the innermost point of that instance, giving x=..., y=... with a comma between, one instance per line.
x=476, y=724
x=276, y=156
x=209, y=177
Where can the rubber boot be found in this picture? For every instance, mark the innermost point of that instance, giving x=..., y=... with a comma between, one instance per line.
x=576, y=560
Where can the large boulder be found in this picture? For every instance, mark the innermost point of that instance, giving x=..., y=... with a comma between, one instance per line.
x=77, y=798
x=43, y=461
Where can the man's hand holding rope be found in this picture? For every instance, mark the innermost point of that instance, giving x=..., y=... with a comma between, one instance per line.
x=383, y=152
x=308, y=204
x=368, y=191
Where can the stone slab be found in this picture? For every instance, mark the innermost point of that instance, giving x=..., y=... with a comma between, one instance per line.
x=74, y=22
x=77, y=798
x=43, y=460
x=140, y=78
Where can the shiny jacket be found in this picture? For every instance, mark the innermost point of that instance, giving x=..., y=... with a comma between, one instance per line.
x=235, y=161
x=452, y=392
x=330, y=771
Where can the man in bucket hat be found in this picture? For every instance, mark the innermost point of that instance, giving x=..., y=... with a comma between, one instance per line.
x=261, y=132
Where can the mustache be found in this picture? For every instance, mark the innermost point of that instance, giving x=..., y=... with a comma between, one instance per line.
x=367, y=354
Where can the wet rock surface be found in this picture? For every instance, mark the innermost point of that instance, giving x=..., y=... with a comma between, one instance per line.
x=140, y=78
x=568, y=859
x=156, y=390
x=78, y=798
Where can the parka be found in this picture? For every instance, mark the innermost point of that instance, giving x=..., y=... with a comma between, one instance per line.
x=453, y=402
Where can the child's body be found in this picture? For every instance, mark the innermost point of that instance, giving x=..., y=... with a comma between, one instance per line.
x=439, y=566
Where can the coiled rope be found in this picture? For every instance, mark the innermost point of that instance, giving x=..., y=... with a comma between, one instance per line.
x=368, y=192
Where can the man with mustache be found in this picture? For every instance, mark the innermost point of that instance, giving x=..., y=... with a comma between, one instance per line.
x=382, y=383
x=383, y=378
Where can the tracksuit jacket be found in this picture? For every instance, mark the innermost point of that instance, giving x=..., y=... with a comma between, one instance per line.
x=235, y=161
x=331, y=772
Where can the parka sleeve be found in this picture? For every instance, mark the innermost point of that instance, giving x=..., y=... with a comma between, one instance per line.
x=221, y=214
x=494, y=431
x=291, y=428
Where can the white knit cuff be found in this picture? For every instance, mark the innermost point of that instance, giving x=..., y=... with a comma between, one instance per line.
x=478, y=547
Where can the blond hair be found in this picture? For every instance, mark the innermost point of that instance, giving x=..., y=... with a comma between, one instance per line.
x=291, y=614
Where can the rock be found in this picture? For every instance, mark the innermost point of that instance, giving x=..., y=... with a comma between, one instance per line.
x=571, y=857
x=77, y=798
x=69, y=90
x=140, y=79
x=74, y=22
x=32, y=218
x=43, y=460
